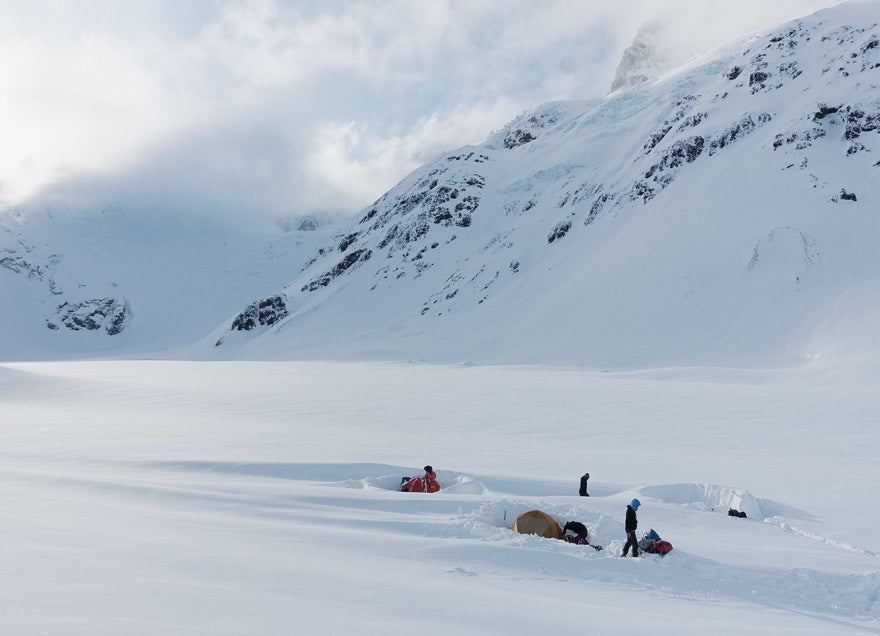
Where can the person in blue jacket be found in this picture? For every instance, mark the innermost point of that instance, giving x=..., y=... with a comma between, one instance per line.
x=630, y=526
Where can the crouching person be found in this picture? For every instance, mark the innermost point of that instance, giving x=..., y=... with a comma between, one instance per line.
x=428, y=483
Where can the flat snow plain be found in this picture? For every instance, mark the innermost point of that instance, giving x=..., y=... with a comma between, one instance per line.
x=146, y=497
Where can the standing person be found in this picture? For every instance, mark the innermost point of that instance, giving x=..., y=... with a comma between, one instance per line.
x=583, y=489
x=630, y=526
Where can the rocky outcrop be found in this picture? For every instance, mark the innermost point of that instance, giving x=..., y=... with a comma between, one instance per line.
x=109, y=315
x=37, y=267
x=644, y=59
x=264, y=313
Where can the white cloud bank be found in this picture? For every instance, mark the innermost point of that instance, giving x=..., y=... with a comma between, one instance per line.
x=271, y=108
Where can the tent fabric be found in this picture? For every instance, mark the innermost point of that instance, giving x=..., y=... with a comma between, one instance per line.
x=537, y=522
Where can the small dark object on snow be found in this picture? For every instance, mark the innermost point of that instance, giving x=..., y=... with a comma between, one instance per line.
x=403, y=480
x=583, y=489
x=736, y=513
x=576, y=532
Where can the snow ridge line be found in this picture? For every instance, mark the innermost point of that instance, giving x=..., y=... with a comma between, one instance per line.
x=846, y=597
x=806, y=534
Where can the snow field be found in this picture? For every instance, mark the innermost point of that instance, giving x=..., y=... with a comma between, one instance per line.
x=146, y=497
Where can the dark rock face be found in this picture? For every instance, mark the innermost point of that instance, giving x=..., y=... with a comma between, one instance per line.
x=18, y=264
x=307, y=224
x=824, y=111
x=855, y=119
x=264, y=313
x=324, y=279
x=110, y=314
x=517, y=138
x=680, y=112
x=674, y=152
x=743, y=127
x=681, y=152
x=757, y=79
x=559, y=231
x=527, y=130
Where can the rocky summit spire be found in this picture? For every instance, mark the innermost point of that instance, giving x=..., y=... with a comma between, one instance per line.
x=644, y=59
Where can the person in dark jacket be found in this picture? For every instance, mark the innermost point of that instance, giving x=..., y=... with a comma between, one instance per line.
x=583, y=489
x=630, y=526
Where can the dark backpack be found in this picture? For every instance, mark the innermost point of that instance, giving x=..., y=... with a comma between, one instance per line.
x=575, y=532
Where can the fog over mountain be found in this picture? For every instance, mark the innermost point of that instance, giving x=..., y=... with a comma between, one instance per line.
x=258, y=109
x=645, y=59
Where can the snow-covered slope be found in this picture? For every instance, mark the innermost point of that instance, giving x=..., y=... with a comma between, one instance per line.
x=725, y=214
x=118, y=283
x=158, y=497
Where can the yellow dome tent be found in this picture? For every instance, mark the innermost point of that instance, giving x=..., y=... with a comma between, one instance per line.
x=537, y=522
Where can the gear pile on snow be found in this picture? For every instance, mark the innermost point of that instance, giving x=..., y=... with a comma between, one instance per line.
x=428, y=483
x=652, y=543
x=542, y=524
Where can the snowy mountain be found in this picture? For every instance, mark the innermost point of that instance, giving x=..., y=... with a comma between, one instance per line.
x=725, y=214
x=674, y=240
x=720, y=214
x=118, y=283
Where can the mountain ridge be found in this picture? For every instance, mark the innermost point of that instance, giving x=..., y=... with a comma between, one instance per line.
x=771, y=138
x=720, y=214
x=121, y=284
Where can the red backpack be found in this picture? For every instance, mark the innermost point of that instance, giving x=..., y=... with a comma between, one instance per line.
x=661, y=547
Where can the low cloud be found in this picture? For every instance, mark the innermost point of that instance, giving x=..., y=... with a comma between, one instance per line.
x=263, y=109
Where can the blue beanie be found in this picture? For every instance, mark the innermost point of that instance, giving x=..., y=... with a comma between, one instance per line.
x=635, y=503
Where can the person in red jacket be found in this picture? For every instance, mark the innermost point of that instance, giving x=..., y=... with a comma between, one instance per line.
x=428, y=483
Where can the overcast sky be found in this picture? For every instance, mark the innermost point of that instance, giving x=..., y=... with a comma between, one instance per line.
x=271, y=108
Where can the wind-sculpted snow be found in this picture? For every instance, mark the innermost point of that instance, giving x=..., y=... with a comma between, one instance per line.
x=679, y=574
x=247, y=497
x=565, y=224
x=709, y=497
x=465, y=528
